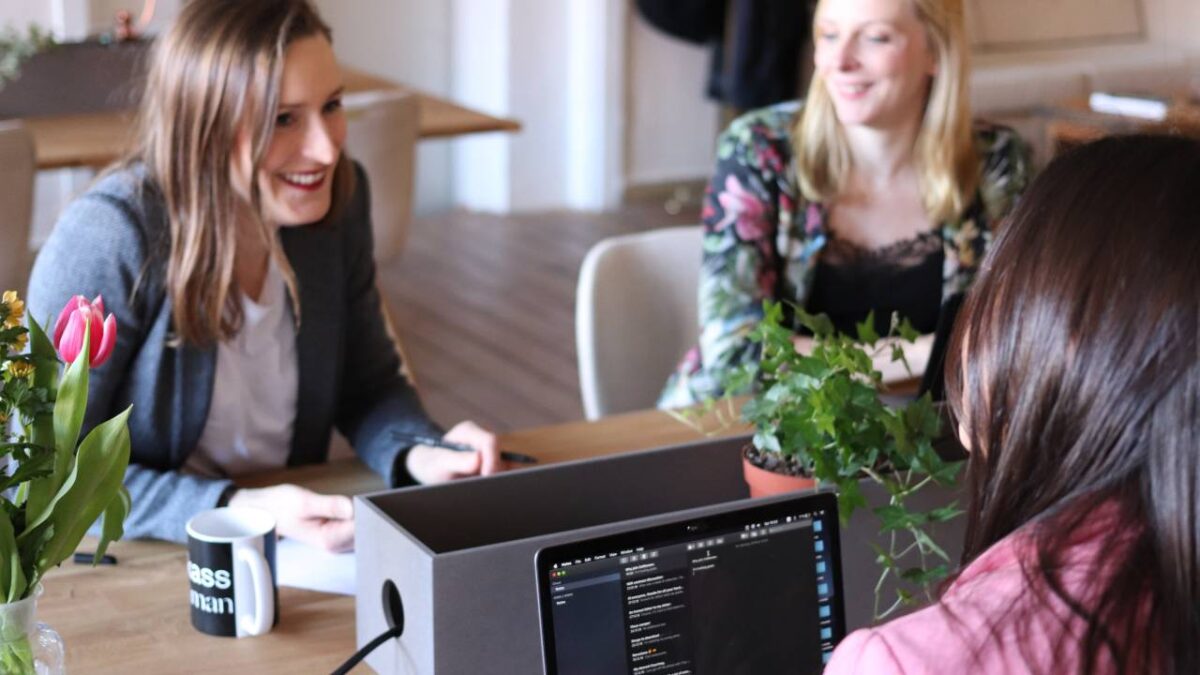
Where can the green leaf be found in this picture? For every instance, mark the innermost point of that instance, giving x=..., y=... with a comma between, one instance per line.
x=924, y=577
x=32, y=462
x=94, y=481
x=866, y=329
x=12, y=577
x=882, y=557
x=927, y=544
x=850, y=498
x=767, y=442
x=45, y=374
x=69, y=410
x=31, y=551
x=820, y=324
x=893, y=517
x=945, y=513
x=114, y=522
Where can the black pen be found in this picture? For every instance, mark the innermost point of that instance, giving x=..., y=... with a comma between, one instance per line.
x=84, y=558
x=420, y=439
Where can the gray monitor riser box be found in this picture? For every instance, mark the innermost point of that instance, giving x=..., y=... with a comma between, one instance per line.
x=461, y=553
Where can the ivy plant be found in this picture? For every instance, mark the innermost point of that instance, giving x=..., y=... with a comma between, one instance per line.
x=821, y=414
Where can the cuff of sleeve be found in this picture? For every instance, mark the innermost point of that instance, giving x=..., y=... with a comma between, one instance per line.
x=226, y=495
x=399, y=476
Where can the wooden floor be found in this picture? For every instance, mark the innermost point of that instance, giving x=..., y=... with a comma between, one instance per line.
x=485, y=307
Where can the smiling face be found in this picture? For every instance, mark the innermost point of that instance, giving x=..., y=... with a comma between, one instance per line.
x=296, y=175
x=875, y=60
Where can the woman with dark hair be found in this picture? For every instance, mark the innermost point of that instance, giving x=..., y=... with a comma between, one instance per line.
x=1075, y=380
x=234, y=248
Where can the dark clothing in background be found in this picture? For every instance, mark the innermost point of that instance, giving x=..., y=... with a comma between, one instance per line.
x=760, y=63
x=755, y=59
x=696, y=21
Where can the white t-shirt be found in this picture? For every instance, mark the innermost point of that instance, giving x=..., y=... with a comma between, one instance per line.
x=249, y=425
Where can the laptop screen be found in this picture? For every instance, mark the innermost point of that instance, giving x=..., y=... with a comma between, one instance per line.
x=756, y=590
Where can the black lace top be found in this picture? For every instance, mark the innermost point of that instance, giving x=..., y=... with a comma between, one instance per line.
x=904, y=277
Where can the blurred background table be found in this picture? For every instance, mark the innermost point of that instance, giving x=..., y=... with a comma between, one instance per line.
x=94, y=139
x=1073, y=123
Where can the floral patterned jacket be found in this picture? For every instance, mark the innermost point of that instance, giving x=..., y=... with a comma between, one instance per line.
x=761, y=238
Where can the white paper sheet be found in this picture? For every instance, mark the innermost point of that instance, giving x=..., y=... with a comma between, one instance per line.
x=302, y=566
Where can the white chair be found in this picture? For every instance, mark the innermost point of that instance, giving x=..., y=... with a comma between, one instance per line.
x=635, y=316
x=381, y=133
x=18, y=165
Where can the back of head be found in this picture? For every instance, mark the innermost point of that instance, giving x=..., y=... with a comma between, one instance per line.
x=215, y=76
x=1075, y=373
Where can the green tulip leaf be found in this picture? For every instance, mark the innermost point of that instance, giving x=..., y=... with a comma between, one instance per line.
x=69, y=409
x=12, y=578
x=113, y=526
x=93, y=483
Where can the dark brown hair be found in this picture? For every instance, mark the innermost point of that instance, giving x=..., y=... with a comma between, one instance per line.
x=216, y=70
x=1079, y=389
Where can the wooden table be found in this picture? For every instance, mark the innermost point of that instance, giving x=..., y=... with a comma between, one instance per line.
x=134, y=617
x=96, y=139
x=1073, y=123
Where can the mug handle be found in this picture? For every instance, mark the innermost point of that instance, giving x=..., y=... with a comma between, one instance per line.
x=264, y=604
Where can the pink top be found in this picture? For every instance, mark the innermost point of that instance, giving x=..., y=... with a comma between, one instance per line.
x=985, y=622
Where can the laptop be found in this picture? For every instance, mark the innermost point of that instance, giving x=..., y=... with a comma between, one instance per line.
x=753, y=590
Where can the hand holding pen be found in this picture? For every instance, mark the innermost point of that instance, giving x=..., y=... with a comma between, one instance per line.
x=466, y=450
x=434, y=442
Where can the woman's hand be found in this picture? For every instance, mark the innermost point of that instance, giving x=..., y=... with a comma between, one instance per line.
x=802, y=343
x=436, y=465
x=323, y=521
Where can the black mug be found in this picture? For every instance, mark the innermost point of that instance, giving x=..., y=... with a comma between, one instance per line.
x=231, y=566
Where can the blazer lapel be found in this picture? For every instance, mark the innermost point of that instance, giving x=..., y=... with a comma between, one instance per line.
x=316, y=259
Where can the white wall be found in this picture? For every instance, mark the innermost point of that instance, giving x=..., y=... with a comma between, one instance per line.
x=20, y=13
x=672, y=128
x=555, y=67
x=1175, y=22
x=406, y=41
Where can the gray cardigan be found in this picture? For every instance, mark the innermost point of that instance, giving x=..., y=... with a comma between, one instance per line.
x=113, y=240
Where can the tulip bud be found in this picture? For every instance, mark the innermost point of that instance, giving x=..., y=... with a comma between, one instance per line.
x=77, y=316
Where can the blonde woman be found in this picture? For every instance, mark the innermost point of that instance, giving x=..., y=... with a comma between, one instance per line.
x=875, y=193
x=234, y=249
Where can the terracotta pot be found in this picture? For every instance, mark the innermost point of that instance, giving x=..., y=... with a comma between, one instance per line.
x=765, y=483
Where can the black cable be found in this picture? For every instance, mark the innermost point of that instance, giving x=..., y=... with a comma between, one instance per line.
x=367, y=649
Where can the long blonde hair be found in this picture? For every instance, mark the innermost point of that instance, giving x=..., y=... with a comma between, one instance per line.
x=215, y=73
x=946, y=160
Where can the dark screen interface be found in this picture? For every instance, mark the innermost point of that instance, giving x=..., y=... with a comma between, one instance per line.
x=754, y=599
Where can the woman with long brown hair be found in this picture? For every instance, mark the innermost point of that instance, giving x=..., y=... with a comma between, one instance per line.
x=1075, y=378
x=234, y=248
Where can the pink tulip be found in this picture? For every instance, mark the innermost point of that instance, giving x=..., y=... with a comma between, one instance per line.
x=68, y=330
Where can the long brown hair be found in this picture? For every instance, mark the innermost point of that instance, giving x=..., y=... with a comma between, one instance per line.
x=214, y=74
x=1079, y=390
x=947, y=162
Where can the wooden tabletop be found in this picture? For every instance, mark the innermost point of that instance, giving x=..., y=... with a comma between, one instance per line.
x=134, y=616
x=96, y=139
